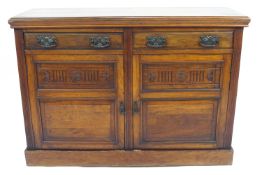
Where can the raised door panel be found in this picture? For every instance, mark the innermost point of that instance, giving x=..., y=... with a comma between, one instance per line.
x=79, y=120
x=178, y=122
x=75, y=101
x=180, y=100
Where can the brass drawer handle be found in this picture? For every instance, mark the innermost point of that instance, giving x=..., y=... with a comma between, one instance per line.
x=156, y=41
x=209, y=41
x=99, y=42
x=46, y=41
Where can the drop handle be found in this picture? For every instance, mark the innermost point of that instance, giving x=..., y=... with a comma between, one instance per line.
x=156, y=41
x=122, y=109
x=99, y=42
x=135, y=107
x=209, y=41
x=46, y=41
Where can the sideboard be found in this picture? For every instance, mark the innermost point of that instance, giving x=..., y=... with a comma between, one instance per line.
x=129, y=86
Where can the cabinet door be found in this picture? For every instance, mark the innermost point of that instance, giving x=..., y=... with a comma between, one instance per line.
x=76, y=100
x=179, y=101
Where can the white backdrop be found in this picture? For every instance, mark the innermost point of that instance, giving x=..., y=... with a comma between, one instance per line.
x=248, y=121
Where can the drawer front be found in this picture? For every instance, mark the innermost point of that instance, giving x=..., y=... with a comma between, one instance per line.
x=183, y=40
x=74, y=40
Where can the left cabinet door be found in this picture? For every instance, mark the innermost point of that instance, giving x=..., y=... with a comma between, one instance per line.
x=76, y=101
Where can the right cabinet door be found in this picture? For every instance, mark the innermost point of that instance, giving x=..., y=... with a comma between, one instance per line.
x=180, y=101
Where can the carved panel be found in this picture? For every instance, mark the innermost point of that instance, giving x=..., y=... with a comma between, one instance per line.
x=88, y=76
x=181, y=75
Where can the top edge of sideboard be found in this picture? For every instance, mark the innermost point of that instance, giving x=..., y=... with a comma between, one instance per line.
x=129, y=17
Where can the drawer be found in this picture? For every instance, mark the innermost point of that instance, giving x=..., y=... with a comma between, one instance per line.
x=183, y=40
x=73, y=40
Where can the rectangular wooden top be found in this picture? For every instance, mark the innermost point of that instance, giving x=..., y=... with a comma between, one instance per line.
x=129, y=17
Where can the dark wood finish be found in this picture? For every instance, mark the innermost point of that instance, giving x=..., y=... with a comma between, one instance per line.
x=129, y=91
x=129, y=158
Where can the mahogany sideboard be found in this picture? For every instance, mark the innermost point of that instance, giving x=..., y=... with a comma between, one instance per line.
x=129, y=86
